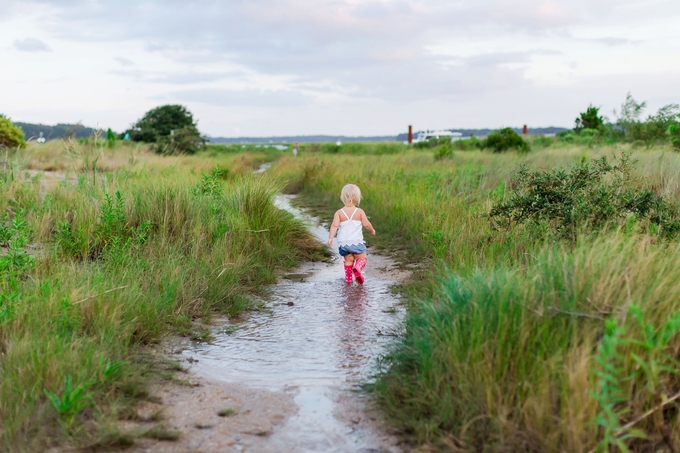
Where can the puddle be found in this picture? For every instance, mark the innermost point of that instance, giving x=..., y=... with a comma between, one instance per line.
x=321, y=348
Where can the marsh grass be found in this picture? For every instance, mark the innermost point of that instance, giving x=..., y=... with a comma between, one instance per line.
x=516, y=339
x=98, y=266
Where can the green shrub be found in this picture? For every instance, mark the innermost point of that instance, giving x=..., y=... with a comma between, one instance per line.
x=386, y=148
x=591, y=195
x=674, y=133
x=504, y=140
x=11, y=136
x=588, y=132
x=590, y=119
x=543, y=142
x=468, y=144
x=171, y=127
x=444, y=151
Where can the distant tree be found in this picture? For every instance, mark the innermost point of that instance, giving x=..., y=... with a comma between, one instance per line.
x=171, y=128
x=11, y=136
x=655, y=128
x=631, y=110
x=590, y=119
x=505, y=139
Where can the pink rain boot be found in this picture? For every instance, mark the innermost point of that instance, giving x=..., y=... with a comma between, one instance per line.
x=348, y=274
x=359, y=264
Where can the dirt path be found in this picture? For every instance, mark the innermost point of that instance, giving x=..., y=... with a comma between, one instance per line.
x=288, y=378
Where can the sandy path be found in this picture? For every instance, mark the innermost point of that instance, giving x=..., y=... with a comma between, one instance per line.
x=291, y=374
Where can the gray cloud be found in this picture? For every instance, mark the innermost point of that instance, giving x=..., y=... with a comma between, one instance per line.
x=249, y=97
x=124, y=61
x=499, y=58
x=178, y=78
x=614, y=42
x=31, y=45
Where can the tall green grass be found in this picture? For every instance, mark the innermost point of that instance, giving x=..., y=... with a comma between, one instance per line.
x=517, y=342
x=96, y=267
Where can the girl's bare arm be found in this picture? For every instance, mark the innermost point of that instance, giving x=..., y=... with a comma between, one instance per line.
x=366, y=223
x=334, y=229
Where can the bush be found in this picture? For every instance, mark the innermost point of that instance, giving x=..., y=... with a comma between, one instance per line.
x=171, y=127
x=504, y=140
x=674, y=132
x=11, y=136
x=590, y=119
x=468, y=144
x=444, y=151
x=591, y=195
x=543, y=142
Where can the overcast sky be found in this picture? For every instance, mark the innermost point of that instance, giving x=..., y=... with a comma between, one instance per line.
x=339, y=67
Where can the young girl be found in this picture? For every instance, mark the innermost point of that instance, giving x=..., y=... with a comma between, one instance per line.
x=348, y=223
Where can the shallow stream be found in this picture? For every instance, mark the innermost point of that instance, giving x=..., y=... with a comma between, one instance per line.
x=318, y=338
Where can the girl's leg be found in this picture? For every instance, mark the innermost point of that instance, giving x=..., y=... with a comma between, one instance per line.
x=359, y=264
x=349, y=263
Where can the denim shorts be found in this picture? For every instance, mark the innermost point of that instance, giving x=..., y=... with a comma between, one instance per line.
x=355, y=249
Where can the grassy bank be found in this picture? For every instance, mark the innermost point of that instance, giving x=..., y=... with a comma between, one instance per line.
x=520, y=340
x=114, y=251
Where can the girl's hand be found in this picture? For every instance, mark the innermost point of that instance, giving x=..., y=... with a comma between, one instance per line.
x=330, y=243
x=373, y=232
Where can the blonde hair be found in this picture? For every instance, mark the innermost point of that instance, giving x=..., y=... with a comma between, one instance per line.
x=351, y=194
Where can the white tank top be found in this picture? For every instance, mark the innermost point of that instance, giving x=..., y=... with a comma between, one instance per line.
x=350, y=231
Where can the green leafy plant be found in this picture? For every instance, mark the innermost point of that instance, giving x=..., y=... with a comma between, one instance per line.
x=8, y=300
x=113, y=235
x=504, y=140
x=69, y=320
x=11, y=136
x=654, y=364
x=72, y=400
x=609, y=392
x=68, y=243
x=211, y=184
x=591, y=194
x=110, y=369
x=114, y=231
x=15, y=237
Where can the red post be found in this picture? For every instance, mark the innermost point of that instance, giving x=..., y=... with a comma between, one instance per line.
x=525, y=131
x=410, y=134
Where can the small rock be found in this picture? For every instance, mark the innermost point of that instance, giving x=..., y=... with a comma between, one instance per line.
x=290, y=304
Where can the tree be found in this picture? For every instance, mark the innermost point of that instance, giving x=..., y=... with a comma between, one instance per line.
x=171, y=128
x=590, y=119
x=11, y=136
x=505, y=139
x=654, y=128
